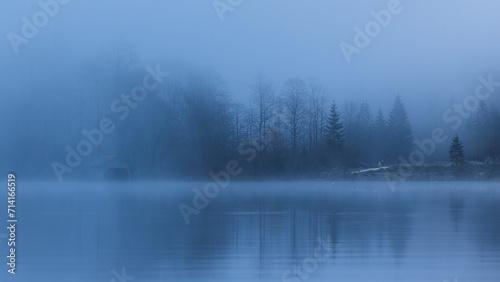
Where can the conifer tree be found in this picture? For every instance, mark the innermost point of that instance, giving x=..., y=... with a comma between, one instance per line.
x=457, y=152
x=399, y=130
x=334, y=128
x=380, y=124
x=380, y=139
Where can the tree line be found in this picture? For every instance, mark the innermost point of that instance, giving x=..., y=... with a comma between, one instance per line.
x=295, y=130
x=191, y=124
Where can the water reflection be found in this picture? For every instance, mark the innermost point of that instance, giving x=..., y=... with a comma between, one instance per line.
x=457, y=204
x=259, y=231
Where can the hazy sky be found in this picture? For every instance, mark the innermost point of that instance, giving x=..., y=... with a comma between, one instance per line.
x=429, y=49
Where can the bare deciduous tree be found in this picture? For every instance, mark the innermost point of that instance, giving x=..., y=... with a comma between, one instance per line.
x=348, y=117
x=293, y=99
x=316, y=112
x=264, y=101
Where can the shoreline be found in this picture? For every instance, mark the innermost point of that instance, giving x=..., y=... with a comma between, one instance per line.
x=443, y=171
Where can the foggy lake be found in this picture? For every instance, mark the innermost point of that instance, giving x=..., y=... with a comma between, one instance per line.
x=261, y=231
x=238, y=140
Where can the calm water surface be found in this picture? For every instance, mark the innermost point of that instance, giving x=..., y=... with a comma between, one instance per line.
x=306, y=231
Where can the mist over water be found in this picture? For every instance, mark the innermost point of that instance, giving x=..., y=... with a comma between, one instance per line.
x=177, y=85
x=255, y=232
x=238, y=140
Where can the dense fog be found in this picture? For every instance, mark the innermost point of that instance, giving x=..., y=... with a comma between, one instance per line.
x=180, y=90
x=250, y=140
